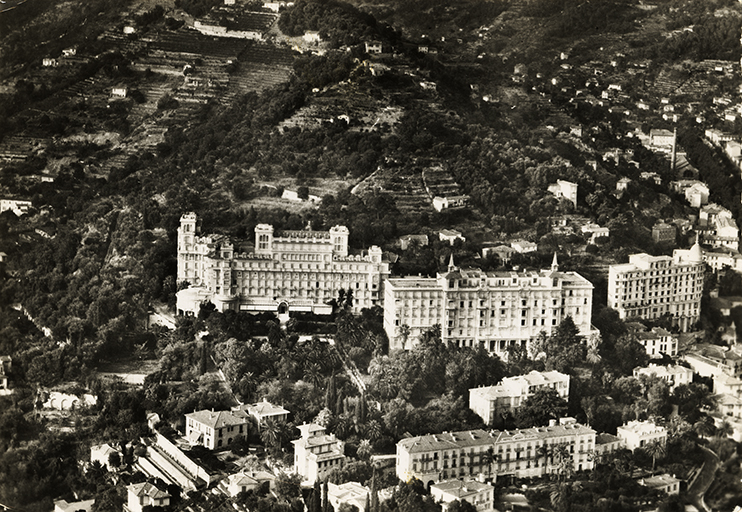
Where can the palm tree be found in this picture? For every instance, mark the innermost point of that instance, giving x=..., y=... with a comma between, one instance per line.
x=373, y=430
x=364, y=449
x=657, y=450
x=705, y=427
x=404, y=333
x=544, y=452
x=488, y=458
x=313, y=373
x=270, y=434
x=561, y=454
x=725, y=429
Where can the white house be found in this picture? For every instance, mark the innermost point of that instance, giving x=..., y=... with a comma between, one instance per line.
x=317, y=453
x=248, y=481
x=144, y=495
x=476, y=493
x=76, y=506
x=450, y=236
x=638, y=434
x=101, y=453
x=665, y=483
x=263, y=411
x=672, y=374
x=215, y=429
x=444, y=203
x=351, y=493
x=565, y=189
x=523, y=246
x=509, y=394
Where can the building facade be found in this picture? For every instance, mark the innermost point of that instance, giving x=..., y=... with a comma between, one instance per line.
x=509, y=394
x=494, y=309
x=674, y=375
x=479, y=494
x=649, y=287
x=215, y=429
x=290, y=271
x=530, y=452
x=658, y=341
x=638, y=434
x=317, y=453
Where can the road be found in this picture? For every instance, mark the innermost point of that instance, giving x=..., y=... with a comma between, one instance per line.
x=704, y=480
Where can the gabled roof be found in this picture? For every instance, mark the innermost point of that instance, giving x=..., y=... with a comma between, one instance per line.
x=147, y=489
x=216, y=419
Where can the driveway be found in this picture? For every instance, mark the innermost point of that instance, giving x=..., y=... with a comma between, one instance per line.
x=702, y=483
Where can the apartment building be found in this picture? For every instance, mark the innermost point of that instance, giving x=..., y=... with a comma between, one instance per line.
x=510, y=393
x=529, y=452
x=494, y=309
x=287, y=271
x=649, y=287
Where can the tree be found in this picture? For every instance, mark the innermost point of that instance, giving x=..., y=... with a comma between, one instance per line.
x=725, y=429
x=288, y=486
x=461, y=506
x=657, y=450
x=364, y=449
x=540, y=407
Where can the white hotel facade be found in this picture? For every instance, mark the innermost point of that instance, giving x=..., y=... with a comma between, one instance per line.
x=495, y=309
x=290, y=271
x=529, y=452
x=649, y=287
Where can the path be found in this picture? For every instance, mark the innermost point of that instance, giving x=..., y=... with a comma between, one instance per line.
x=697, y=490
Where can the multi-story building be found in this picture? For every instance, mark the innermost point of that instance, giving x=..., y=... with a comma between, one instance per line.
x=649, y=287
x=215, y=429
x=565, y=189
x=509, y=394
x=672, y=374
x=317, y=453
x=638, y=434
x=663, y=233
x=494, y=309
x=658, y=341
x=530, y=452
x=715, y=361
x=262, y=412
x=290, y=271
x=479, y=494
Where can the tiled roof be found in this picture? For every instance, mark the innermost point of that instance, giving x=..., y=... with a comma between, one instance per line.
x=216, y=419
x=470, y=438
x=147, y=489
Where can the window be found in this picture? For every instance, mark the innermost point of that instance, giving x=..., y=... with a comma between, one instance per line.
x=263, y=242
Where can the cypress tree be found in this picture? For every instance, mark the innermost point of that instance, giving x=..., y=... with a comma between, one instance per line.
x=331, y=396
x=325, y=500
x=315, y=504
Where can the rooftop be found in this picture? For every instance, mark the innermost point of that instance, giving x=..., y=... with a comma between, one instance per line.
x=467, y=438
x=216, y=419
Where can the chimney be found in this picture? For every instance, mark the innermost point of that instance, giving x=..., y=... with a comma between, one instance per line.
x=674, y=156
x=552, y=423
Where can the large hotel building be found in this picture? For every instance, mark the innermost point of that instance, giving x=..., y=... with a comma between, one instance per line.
x=529, y=452
x=648, y=287
x=290, y=271
x=495, y=309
